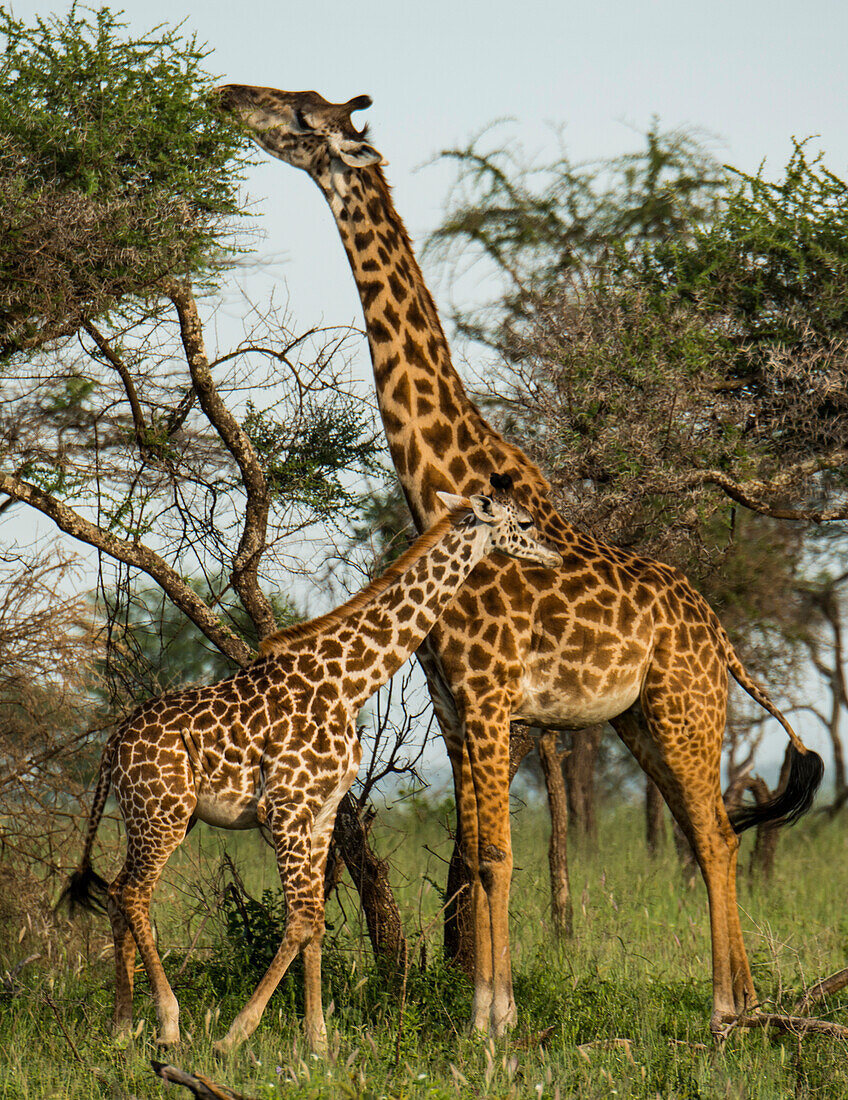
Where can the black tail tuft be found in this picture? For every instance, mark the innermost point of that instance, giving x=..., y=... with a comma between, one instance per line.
x=806, y=771
x=85, y=890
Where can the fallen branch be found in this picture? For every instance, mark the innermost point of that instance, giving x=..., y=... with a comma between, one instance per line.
x=197, y=1084
x=823, y=988
x=795, y=1025
x=607, y=1044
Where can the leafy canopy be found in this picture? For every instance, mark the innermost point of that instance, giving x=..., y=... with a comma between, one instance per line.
x=115, y=171
x=776, y=259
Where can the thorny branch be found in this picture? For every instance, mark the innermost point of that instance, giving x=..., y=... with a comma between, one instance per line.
x=135, y=554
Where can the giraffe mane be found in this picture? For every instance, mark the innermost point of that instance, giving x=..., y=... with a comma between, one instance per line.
x=280, y=639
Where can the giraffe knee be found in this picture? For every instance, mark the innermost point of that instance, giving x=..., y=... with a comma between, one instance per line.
x=494, y=862
x=314, y=923
x=305, y=926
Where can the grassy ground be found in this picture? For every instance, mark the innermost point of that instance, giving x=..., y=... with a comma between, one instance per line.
x=627, y=1000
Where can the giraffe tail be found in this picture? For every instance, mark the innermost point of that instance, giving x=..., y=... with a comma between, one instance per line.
x=805, y=775
x=806, y=768
x=85, y=888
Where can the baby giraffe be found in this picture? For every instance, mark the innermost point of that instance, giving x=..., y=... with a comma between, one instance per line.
x=276, y=745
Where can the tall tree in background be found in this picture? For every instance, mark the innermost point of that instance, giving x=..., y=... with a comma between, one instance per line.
x=203, y=475
x=670, y=336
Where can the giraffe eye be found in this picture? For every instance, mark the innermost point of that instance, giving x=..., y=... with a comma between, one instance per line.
x=525, y=524
x=300, y=118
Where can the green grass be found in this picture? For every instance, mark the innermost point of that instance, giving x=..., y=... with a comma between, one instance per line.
x=627, y=1001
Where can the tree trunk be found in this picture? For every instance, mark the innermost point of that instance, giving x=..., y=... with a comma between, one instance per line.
x=459, y=930
x=561, y=908
x=371, y=878
x=580, y=766
x=840, y=698
x=768, y=834
x=654, y=816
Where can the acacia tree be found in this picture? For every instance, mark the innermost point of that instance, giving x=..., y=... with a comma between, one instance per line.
x=686, y=345
x=203, y=474
x=670, y=341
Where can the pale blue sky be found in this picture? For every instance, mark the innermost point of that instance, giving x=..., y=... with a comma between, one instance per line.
x=750, y=72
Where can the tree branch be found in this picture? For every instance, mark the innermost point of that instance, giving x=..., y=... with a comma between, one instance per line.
x=245, y=574
x=752, y=494
x=115, y=361
x=137, y=555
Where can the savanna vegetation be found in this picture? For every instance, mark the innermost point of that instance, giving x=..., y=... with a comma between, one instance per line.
x=669, y=345
x=621, y=1009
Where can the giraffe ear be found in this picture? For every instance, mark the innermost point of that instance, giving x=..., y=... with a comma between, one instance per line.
x=451, y=501
x=356, y=154
x=485, y=509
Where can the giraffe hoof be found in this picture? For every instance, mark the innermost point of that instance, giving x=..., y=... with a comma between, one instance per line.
x=722, y=1024
x=223, y=1048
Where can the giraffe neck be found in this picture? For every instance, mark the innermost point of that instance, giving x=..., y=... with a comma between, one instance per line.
x=375, y=632
x=436, y=435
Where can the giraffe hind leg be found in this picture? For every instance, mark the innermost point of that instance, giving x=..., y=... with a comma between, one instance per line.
x=697, y=805
x=129, y=900
x=125, y=946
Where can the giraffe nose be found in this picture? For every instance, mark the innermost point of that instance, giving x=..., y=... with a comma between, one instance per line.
x=551, y=558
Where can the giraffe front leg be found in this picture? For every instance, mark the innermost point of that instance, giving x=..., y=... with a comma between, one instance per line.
x=291, y=826
x=313, y=1022
x=466, y=808
x=488, y=751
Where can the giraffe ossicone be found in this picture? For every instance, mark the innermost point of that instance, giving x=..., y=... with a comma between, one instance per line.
x=610, y=636
x=276, y=746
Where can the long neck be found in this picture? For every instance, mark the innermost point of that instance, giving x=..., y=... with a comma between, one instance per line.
x=387, y=631
x=369, y=637
x=436, y=435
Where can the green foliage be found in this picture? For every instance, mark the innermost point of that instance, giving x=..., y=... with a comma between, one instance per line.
x=777, y=257
x=115, y=171
x=305, y=464
x=622, y=1010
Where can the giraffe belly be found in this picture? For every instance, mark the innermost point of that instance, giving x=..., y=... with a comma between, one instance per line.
x=573, y=703
x=228, y=811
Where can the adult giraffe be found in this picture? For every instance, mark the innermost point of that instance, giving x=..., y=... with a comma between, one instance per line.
x=608, y=636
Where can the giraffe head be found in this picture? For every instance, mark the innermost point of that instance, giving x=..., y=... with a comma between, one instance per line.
x=509, y=528
x=301, y=128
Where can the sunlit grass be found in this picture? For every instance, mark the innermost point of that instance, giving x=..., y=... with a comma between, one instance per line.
x=624, y=1006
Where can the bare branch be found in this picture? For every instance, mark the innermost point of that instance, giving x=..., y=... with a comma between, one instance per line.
x=252, y=544
x=115, y=361
x=752, y=494
x=135, y=554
